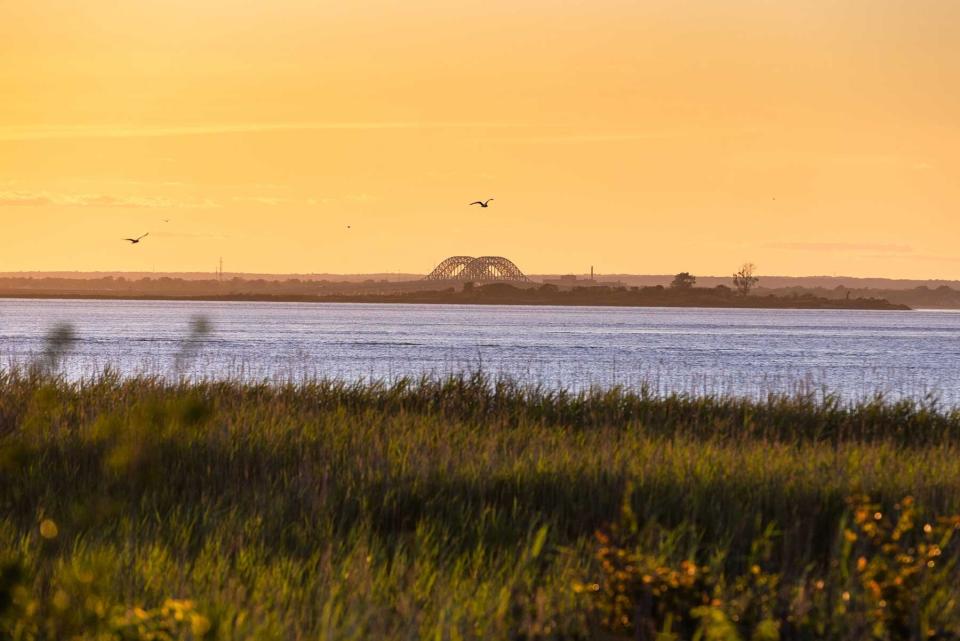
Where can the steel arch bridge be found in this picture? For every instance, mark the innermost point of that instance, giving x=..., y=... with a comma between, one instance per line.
x=485, y=269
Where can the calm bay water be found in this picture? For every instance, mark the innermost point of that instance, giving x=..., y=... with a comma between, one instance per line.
x=742, y=352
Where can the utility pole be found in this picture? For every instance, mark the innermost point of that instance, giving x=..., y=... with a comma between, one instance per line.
x=220, y=271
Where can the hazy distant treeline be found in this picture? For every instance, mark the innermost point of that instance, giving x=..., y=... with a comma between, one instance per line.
x=435, y=292
x=167, y=286
x=941, y=297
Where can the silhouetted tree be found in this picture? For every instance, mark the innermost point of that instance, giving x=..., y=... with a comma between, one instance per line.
x=683, y=280
x=744, y=280
x=467, y=287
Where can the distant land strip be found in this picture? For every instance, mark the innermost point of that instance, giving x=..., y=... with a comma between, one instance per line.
x=770, y=281
x=501, y=294
x=916, y=294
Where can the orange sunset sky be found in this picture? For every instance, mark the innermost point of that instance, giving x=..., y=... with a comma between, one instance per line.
x=653, y=136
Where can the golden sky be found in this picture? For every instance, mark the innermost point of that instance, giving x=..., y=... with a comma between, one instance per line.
x=645, y=136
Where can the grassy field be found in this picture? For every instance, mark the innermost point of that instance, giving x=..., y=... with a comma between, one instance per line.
x=469, y=509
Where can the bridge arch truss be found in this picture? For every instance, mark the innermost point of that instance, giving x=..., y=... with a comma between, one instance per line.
x=485, y=269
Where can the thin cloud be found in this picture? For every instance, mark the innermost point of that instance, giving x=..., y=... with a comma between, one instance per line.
x=117, y=131
x=362, y=198
x=623, y=136
x=11, y=199
x=43, y=199
x=262, y=200
x=883, y=248
x=590, y=138
x=933, y=258
x=277, y=201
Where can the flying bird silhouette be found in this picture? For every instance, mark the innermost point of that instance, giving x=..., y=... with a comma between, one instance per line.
x=482, y=203
x=134, y=241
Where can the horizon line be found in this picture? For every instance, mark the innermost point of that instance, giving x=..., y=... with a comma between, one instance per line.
x=412, y=273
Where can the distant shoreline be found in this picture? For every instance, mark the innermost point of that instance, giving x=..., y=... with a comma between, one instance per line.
x=527, y=297
x=563, y=291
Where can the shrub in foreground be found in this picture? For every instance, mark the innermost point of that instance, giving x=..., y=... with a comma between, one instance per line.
x=892, y=577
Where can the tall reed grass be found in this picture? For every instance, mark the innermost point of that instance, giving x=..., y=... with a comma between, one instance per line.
x=455, y=508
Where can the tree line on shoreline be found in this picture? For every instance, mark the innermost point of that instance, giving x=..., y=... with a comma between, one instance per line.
x=743, y=284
